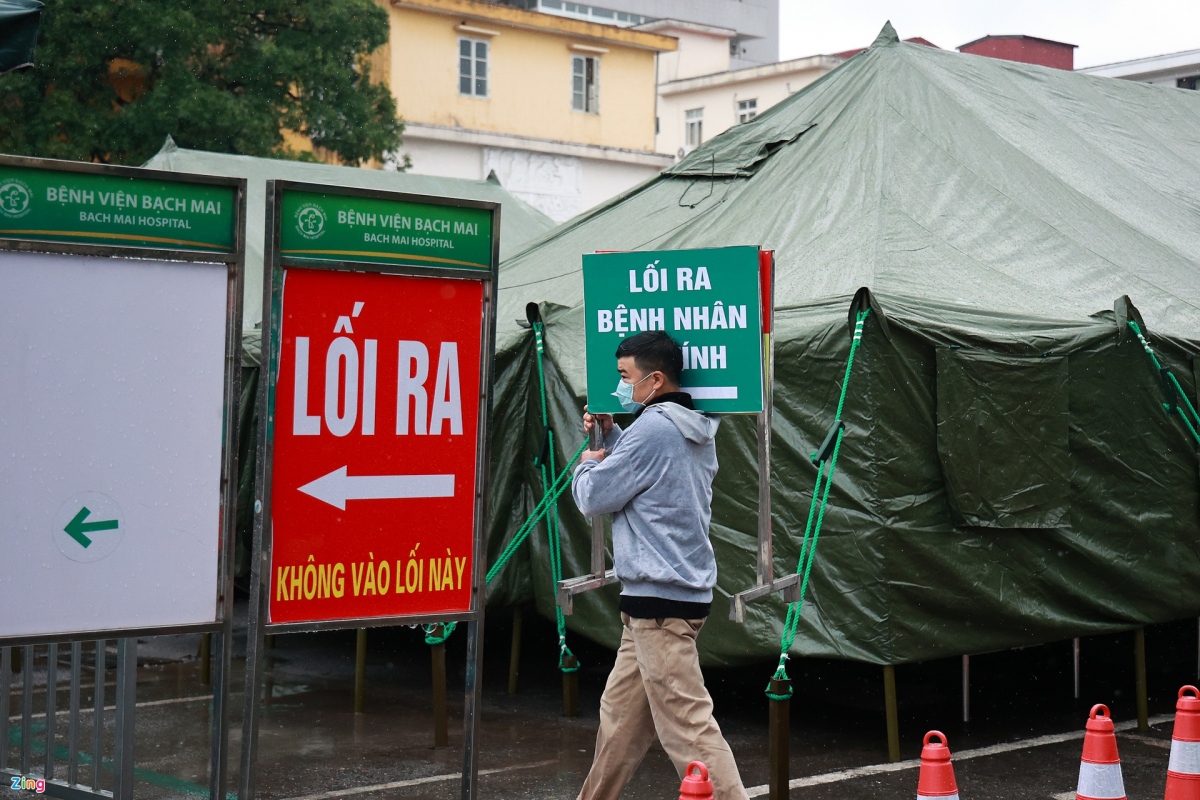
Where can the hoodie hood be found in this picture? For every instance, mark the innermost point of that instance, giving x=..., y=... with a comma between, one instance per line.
x=694, y=426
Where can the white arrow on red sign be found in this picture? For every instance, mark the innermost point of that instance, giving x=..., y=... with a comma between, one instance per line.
x=336, y=487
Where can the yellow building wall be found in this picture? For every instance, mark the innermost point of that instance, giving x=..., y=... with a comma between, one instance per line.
x=529, y=83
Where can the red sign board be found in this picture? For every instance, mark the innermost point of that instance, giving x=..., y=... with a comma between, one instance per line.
x=375, y=446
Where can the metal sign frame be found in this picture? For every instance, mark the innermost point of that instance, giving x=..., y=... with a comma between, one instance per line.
x=274, y=265
x=235, y=263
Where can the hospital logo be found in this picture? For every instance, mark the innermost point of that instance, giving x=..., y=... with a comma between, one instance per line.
x=15, y=198
x=310, y=221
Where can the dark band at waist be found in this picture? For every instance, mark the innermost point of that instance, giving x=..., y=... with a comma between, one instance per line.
x=661, y=608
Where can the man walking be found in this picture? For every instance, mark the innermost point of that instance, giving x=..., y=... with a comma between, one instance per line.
x=656, y=480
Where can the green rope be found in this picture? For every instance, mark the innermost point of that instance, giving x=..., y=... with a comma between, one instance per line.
x=553, y=529
x=431, y=639
x=1192, y=428
x=547, y=507
x=560, y=485
x=812, y=531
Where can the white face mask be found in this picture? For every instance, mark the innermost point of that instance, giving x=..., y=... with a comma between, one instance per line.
x=624, y=393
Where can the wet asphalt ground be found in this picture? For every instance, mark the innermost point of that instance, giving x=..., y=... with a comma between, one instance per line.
x=1023, y=741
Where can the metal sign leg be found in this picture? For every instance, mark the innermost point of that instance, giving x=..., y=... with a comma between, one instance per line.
x=5, y=693
x=126, y=711
x=471, y=701
x=219, y=741
x=254, y=666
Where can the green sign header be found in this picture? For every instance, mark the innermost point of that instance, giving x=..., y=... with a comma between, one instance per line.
x=75, y=207
x=707, y=300
x=335, y=227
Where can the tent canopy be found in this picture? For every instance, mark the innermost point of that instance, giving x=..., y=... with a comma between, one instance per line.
x=19, y=22
x=519, y=222
x=1009, y=475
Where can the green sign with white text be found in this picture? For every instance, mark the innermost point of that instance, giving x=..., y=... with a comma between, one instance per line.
x=707, y=300
x=82, y=208
x=334, y=227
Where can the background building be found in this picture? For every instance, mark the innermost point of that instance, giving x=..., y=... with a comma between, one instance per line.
x=562, y=109
x=1181, y=70
x=1025, y=49
x=702, y=91
x=753, y=24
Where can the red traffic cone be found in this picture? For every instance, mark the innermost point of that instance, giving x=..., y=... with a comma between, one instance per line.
x=696, y=787
x=937, y=773
x=1100, y=769
x=1183, y=771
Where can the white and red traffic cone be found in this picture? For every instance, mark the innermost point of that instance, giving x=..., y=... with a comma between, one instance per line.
x=1183, y=771
x=937, y=773
x=696, y=786
x=1100, y=770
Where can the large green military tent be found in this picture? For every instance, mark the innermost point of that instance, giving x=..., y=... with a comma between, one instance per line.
x=1010, y=475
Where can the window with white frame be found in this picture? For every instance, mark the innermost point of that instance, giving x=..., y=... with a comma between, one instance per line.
x=585, y=84
x=693, y=130
x=747, y=110
x=473, y=67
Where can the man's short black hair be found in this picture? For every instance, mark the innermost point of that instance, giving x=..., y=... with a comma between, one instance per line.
x=654, y=351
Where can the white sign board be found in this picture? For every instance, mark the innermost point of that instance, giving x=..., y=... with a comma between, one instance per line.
x=111, y=402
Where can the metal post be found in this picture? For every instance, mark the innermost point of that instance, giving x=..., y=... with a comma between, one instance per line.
x=219, y=725
x=779, y=746
x=73, y=718
x=441, y=713
x=892, y=713
x=51, y=709
x=1139, y=657
x=360, y=672
x=126, y=712
x=5, y=696
x=98, y=713
x=966, y=688
x=570, y=679
x=472, y=699
x=1075, y=659
x=257, y=614
x=766, y=563
x=26, y=710
x=514, y=655
x=206, y=659
x=597, y=521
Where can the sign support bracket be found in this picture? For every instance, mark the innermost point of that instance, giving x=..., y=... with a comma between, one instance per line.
x=599, y=576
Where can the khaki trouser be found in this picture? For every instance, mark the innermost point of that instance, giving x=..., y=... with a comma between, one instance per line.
x=656, y=686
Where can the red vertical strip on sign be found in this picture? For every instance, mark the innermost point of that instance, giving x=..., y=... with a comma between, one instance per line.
x=375, y=446
x=766, y=268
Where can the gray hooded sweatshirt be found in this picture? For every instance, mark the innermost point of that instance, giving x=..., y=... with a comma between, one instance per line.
x=656, y=481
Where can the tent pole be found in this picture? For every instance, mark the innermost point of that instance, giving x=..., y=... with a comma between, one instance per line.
x=441, y=714
x=892, y=713
x=360, y=672
x=779, y=727
x=1075, y=659
x=514, y=657
x=1139, y=655
x=966, y=688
